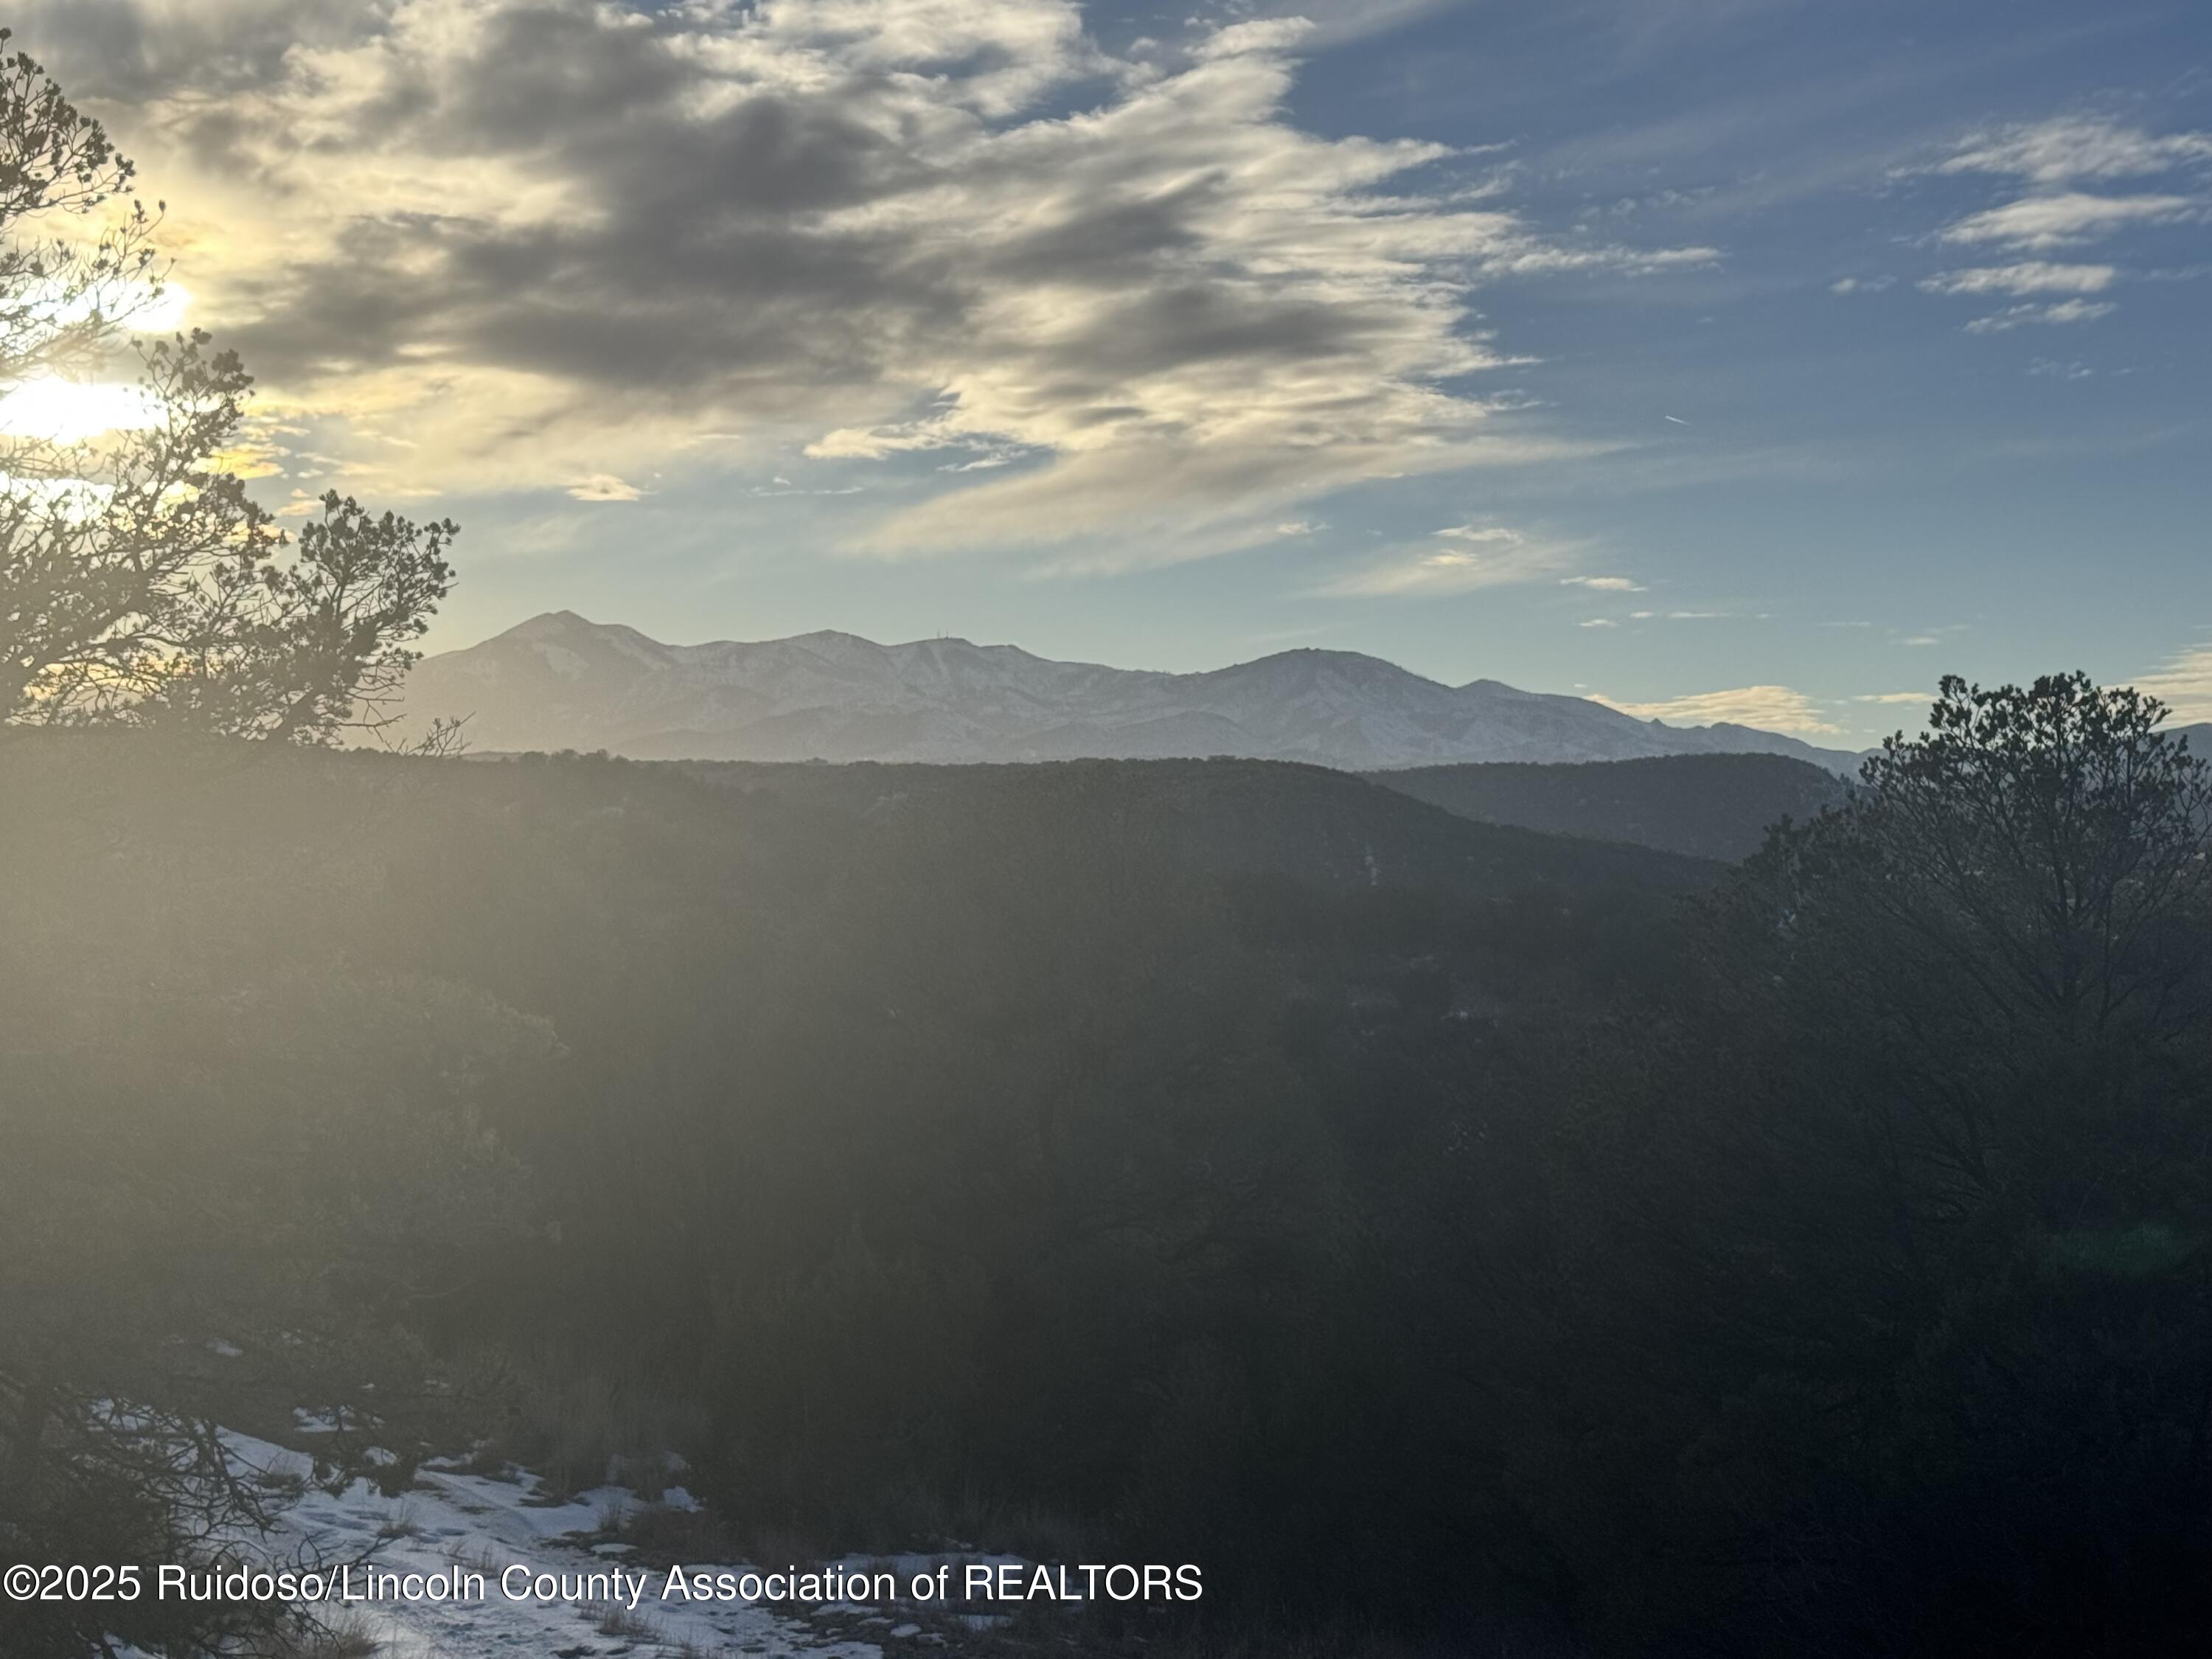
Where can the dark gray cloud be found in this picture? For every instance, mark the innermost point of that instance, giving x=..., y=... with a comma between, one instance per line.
x=131, y=51
x=465, y=225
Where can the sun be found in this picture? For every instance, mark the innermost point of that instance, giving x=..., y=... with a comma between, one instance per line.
x=161, y=310
x=49, y=409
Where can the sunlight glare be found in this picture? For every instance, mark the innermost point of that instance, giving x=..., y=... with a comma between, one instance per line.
x=163, y=313
x=55, y=410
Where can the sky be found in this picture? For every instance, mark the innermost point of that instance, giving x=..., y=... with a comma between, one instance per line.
x=1758, y=360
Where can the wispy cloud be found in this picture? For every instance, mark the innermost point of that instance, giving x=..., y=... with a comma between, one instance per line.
x=604, y=487
x=1604, y=584
x=2052, y=222
x=2184, y=684
x=1940, y=635
x=1773, y=707
x=2030, y=276
x=868, y=232
x=2066, y=311
x=2067, y=148
x=1458, y=560
x=2053, y=160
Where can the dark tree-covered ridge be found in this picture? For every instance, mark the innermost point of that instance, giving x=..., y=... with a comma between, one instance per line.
x=1710, y=806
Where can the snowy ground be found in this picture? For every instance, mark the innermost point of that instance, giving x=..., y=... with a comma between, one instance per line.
x=451, y=1520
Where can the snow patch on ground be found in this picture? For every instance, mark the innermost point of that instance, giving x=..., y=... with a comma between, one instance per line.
x=452, y=1519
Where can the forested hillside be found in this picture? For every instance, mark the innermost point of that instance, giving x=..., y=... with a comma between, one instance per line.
x=1708, y=806
x=1222, y=817
x=1110, y=1161
x=941, y=1150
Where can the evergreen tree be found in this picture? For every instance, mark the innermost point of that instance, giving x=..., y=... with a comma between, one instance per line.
x=140, y=583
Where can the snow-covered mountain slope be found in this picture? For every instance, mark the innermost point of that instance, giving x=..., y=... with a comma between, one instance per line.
x=559, y=681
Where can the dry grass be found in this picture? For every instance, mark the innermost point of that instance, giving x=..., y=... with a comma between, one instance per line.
x=1330, y=1638
x=624, y=1625
x=577, y=1429
x=402, y=1523
x=346, y=1639
x=621, y=1621
x=685, y=1535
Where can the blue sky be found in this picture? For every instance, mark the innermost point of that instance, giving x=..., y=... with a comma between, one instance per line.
x=1736, y=358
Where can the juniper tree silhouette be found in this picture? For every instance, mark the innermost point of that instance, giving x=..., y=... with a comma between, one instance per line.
x=140, y=582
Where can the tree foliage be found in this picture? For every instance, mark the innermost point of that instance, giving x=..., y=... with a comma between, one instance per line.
x=140, y=582
x=59, y=292
x=1918, y=1173
x=236, y=1162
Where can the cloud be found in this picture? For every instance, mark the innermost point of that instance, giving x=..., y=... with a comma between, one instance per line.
x=2051, y=221
x=1604, y=584
x=1771, y=707
x=2067, y=148
x=2031, y=277
x=1458, y=560
x=1862, y=285
x=2053, y=158
x=1268, y=34
x=2184, y=684
x=2067, y=311
x=1150, y=502
x=1941, y=633
x=1336, y=21
x=1598, y=622
x=604, y=487
x=136, y=50
x=1894, y=696
x=553, y=239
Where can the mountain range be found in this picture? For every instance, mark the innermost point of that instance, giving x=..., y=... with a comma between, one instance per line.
x=560, y=681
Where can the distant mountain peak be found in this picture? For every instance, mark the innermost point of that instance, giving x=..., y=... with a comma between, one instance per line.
x=563, y=681
x=548, y=624
x=826, y=636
